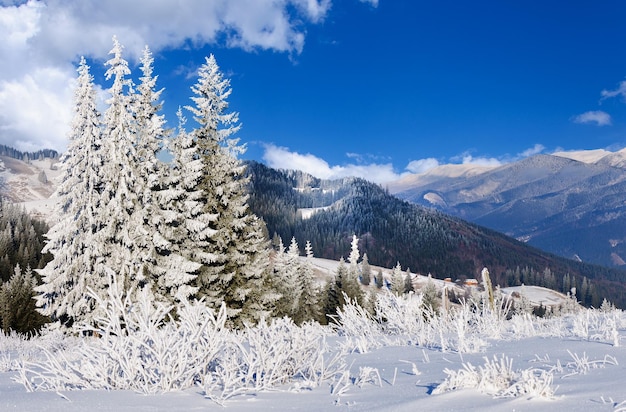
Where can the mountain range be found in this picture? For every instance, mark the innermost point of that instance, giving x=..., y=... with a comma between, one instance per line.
x=327, y=213
x=391, y=230
x=570, y=203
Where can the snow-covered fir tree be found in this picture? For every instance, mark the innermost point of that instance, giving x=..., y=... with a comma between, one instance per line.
x=17, y=306
x=77, y=259
x=351, y=284
x=239, y=274
x=397, y=280
x=366, y=271
x=122, y=187
x=431, y=295
x=287, y=271
x=163, y=262
x=309, y=304
x=408, y=281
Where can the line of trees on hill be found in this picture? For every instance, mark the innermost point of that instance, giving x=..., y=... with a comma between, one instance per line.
x=426, y=241
x=26, y=156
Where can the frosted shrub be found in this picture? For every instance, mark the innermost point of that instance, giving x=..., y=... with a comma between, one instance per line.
x=269, y=355
x=406, y=316
x=580, y=365
x=597, y=324
x=7, y=363
x=140, y=347
x=490, y=316
x=361, y=330
x=278, y=352
x=465, y=338
x=497, y=378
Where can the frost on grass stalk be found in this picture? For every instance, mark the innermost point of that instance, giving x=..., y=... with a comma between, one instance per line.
x=406, y=317
x=497, y=378
x=140, y=347
x=268, y=355
x=361, y=330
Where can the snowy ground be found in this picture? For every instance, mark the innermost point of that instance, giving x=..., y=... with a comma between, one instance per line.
x=583, y=355
x=400, y=389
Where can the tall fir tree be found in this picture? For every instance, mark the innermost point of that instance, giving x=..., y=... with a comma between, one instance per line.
x=287, y=272
x=163, y=262
x=121, y=198
x=239, y=274
x=76, y=266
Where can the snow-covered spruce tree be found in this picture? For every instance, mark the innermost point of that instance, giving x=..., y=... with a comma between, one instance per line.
x=77, y=259
x=239, y=273
x=366, y=271
x=397, y=280
x=117, y=242
x=309, y=305
x=344, y=285
x=351, y=284
x=17, y=306
x=408, y=282
x=431, y=295
x=287, y=270
x=158, y=240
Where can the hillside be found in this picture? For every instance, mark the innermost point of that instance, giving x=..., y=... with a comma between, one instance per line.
x=392, y=230
x=572, y=203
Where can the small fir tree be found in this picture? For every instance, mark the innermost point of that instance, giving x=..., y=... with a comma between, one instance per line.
x=18, y=311
x=397, y=280
x=366, y=271
x=379, y=279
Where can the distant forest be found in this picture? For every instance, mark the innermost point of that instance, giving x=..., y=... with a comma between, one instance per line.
x=426, y=241
x=26, y=156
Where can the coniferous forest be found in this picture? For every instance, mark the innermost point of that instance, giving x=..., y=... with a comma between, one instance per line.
x=423, y=240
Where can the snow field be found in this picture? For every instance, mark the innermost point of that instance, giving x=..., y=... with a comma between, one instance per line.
x=402, y=358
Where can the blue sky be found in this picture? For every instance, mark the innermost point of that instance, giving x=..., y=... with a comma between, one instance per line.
x=372, y=88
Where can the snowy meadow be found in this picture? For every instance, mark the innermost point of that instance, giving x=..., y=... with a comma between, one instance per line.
x=405, y=356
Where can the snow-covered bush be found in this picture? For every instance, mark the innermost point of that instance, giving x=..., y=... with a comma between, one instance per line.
x=407, y=318
x=358, y=326
x=269, y=355
x=137, y=345
x=497, y=378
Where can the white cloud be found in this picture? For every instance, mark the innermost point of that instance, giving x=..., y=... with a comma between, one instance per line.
x=41, y=39
x=598, y=117
x=536, y=149
x=467, y=158
x=282, y=158
x=374, y=3
x=620, y=91
x=422, y=165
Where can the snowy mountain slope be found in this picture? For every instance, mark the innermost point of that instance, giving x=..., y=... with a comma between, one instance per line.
x=31, y=183
x=570, y=203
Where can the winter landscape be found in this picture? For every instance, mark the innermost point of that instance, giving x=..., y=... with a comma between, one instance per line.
x=467, y=358
x=147, y=265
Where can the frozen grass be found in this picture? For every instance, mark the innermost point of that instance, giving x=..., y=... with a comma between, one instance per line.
x=138, y=346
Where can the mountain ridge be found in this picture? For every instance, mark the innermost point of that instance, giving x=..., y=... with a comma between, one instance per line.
x=570, y=205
